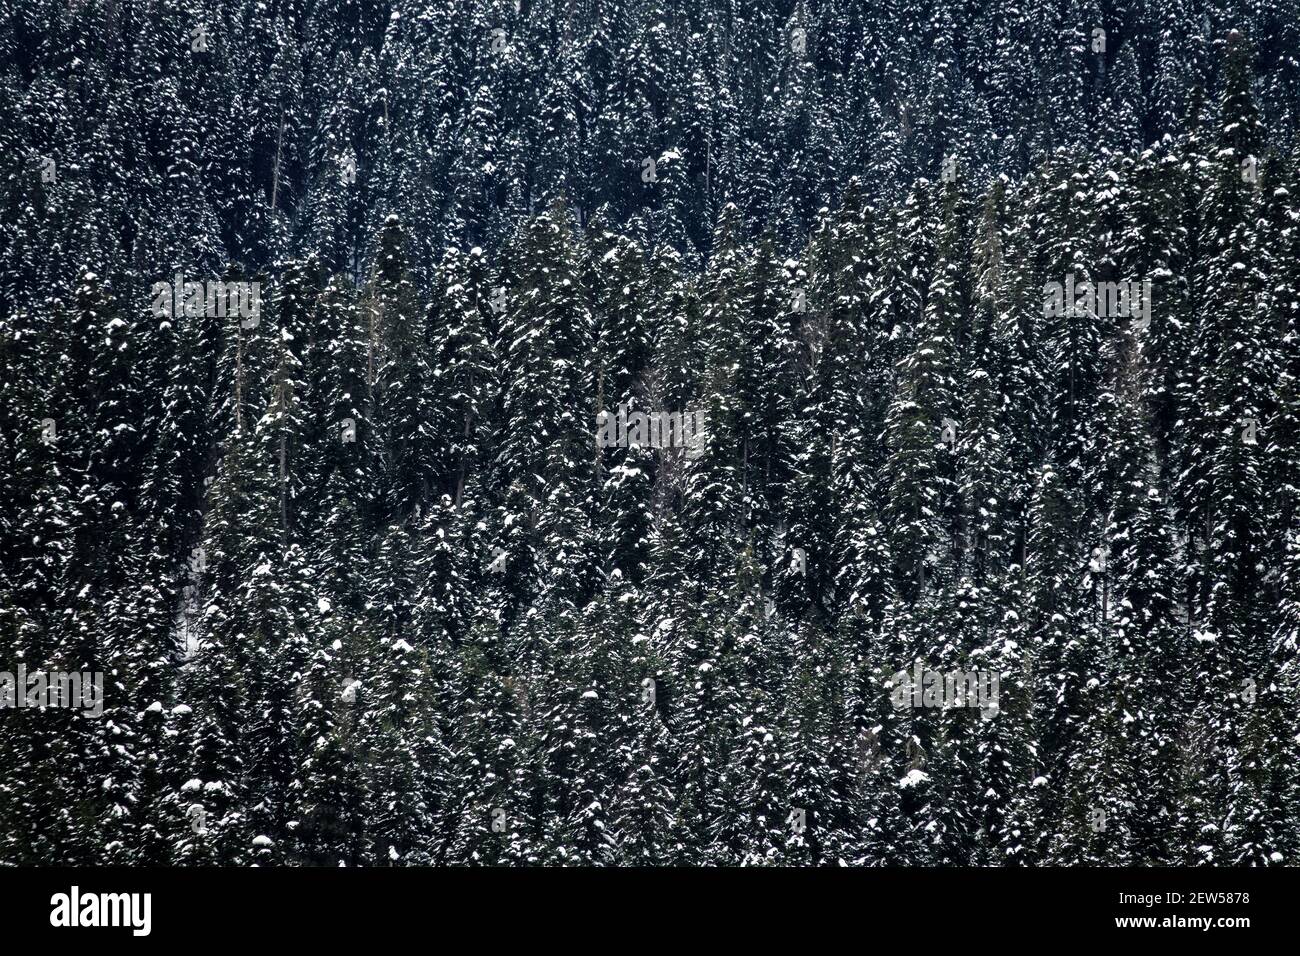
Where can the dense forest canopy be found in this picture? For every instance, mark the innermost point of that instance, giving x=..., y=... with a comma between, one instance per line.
x=577, y=433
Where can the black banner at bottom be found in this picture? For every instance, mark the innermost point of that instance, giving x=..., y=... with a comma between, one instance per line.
x=534, y=905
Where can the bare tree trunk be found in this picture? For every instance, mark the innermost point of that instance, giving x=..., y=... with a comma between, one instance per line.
x=464, y=465
x=708, y=159
x=600, y=407
x=275, y=173
x=1105, y=602
x=744, y=480
x=239, y=376
x=370, y=356
x=284, y=481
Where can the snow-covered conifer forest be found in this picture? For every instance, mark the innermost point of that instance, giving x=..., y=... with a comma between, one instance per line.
x=625, y=432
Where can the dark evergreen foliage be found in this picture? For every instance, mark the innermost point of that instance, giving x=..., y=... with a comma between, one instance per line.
x=368, y=587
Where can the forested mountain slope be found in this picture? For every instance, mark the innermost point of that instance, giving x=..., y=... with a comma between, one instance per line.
x=373, y=571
